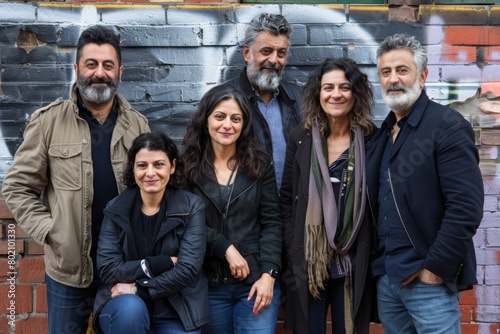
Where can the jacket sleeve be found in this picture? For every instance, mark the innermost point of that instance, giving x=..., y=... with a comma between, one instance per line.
x=111, y=263
x=462, y=190
x=271, y=234
x=189, y=261
x=26, y=179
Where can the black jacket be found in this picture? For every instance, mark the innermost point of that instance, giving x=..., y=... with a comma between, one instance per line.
x=251, y=222
x=437, y=186
x=293, y=197
x=290, y=100
x=182, y=234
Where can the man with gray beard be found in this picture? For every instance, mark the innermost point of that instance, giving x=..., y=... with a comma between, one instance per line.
x=74, y=152
x=276, y=103
x=426, y=198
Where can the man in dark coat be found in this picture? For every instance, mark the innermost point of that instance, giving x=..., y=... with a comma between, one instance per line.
x=276, y=103
x=426, y=195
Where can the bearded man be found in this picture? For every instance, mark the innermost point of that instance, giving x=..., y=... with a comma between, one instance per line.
x=276, y=103
x=74, y=152
x=426, y=196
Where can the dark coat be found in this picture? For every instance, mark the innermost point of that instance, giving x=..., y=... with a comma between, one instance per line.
x=290, y=100
x=293, y=197
x=251, y=222
x=437, y=185
x=182, y=234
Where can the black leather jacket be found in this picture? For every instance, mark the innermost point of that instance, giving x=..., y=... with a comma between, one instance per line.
x=290, y=99
x=182, y=234
x=251, y=222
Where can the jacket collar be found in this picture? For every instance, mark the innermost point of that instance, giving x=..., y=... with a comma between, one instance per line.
x=122, y=205
x=414, y=115
x=212, y=190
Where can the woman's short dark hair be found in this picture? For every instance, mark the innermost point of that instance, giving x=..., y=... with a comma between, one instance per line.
x=157, y=141
x=360, y=86
x=198, y=153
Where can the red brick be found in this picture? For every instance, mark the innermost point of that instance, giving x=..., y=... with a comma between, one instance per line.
x=33, y=248
x=492, y=54
x=468, y=297
x=4, y=326
x=21, y=234
x=41, y=299
x=403, y=13
x=5, y=212
x=32, y=270
x=471, y=35
x=491, y=86
x=34, y=324
x=376, y=329
x=134, y=0
x=469, y=328
x=6, y=247
x=4, y=269
x=468, y=313
x=22, y=296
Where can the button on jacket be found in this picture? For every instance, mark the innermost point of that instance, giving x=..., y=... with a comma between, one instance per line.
x=55, y=157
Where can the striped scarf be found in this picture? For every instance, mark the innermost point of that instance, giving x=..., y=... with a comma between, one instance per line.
x=321, y=223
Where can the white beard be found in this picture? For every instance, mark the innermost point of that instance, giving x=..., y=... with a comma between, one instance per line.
x=265, y=81
x=97, y=95
x=401, y=103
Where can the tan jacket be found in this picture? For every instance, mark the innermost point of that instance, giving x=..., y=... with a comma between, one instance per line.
x=55, y=157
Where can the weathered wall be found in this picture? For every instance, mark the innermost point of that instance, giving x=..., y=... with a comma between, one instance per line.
x=172, y=54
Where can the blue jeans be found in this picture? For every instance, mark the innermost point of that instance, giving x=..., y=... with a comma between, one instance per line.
x=231, y=312
x=69, y=308
x=129, y=314
x=417, y=308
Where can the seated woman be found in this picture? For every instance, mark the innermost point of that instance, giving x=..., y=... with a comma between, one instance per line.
x=151, y=248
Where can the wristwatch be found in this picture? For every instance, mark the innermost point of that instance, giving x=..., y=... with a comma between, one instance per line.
x=273, y=272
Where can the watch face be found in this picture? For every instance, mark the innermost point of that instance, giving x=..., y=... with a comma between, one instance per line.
x=273, y=273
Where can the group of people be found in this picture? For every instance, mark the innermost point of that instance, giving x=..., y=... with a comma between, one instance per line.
x=280, y=196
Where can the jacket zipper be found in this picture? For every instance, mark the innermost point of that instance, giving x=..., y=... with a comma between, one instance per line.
x=397, y=208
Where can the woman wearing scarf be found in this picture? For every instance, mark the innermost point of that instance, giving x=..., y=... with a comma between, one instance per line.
x=326, y=237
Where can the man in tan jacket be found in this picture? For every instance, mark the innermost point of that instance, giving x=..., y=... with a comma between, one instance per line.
x=74, y=152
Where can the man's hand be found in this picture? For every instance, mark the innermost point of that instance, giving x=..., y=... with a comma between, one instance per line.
x=425, y=276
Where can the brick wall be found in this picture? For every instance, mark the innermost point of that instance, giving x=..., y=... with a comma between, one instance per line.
x=173, y=53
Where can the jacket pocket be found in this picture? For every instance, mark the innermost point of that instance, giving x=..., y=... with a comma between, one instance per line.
x=66, y=166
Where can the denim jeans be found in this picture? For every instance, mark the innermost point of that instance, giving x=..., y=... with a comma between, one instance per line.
x=69, y=308
x=417, y=308
x=129, y=314
x=231, y=312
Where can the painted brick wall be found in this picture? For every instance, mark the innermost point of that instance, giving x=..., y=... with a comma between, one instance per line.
x=173, y=53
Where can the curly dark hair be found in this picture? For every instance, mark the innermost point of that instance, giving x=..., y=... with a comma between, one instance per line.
x=198, y=153
x=99, y=35
x=360, y=86
x=157, y=141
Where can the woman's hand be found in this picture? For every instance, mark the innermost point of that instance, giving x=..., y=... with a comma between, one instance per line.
x=123, y=289
x=237, y=263
x=264, y=287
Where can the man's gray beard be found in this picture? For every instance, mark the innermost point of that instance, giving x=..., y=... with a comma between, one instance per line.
x=265, y=81
x=97, y=95
x=402, y=103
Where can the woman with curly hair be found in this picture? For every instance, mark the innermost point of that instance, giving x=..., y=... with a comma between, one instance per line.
x=236, y=179
x=326, y=237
